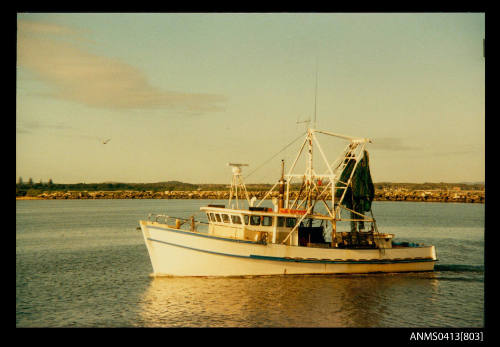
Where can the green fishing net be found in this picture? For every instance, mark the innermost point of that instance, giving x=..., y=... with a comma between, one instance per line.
x=360, y=193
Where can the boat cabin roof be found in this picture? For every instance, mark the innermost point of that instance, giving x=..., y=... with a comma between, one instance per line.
x=268, y=212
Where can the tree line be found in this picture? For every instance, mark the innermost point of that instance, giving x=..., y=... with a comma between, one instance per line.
x=31, y=188
x=182, y=186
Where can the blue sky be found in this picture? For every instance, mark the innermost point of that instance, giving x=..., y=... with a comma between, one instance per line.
x=181, y=95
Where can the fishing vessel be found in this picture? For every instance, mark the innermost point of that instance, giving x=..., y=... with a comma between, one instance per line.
x=319, y=223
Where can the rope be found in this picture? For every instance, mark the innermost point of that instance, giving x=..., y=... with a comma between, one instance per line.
x=268, y=160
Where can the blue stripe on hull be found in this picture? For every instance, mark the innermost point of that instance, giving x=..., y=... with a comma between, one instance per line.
x=295, y=260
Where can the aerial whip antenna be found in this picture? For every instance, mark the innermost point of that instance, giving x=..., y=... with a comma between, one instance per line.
x=315, y=94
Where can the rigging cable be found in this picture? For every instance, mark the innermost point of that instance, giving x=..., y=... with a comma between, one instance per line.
x=268, y=160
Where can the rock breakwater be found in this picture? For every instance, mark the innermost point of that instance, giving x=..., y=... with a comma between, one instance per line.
x=474, y=196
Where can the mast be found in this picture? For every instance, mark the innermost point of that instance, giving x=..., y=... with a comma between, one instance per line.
x=316, y=187
x=282, y=186
x=310, y=183
x=309, y=175
x=330, y=178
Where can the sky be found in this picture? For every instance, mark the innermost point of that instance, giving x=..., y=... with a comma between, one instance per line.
x=180, y=95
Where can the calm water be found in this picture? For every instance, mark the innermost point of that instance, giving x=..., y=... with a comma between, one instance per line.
x=82, y=263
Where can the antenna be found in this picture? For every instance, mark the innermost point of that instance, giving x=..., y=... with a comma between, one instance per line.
x=237, y=182
x=315, y=94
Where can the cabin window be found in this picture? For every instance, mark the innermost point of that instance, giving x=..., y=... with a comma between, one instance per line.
x=225, y=218
x=290, y=222
x=267, y=221
x=281, y=221
x=246, y=218
x=255, y=220
x=212, y=217
x=236, y=219
x=208, y=217
x=218, y=218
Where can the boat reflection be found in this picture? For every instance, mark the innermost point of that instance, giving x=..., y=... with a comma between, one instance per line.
x=290, y=301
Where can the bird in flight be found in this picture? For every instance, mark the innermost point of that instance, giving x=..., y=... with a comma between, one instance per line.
x=106, y=141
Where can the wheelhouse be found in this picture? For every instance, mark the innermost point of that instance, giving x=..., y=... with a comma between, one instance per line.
x=263, y=225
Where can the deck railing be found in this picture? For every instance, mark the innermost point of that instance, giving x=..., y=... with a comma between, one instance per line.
x=178, y=222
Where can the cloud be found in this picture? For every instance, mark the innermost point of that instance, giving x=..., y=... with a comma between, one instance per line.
x=391, y=144
x=461, y=149
x=427, y=149
x=62, y=129
x=30, y=126
x=81, y=76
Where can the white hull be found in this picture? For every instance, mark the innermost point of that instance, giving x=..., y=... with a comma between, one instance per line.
x=175, y=252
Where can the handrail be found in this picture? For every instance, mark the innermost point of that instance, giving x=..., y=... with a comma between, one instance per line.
x=157, y=218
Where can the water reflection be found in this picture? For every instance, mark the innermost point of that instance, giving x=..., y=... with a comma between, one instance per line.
x=291, y=301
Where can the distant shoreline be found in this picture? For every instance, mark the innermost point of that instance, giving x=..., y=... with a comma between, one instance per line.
x=465, y=196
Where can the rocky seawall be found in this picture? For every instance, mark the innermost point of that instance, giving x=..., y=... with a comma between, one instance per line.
x=474, y=196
